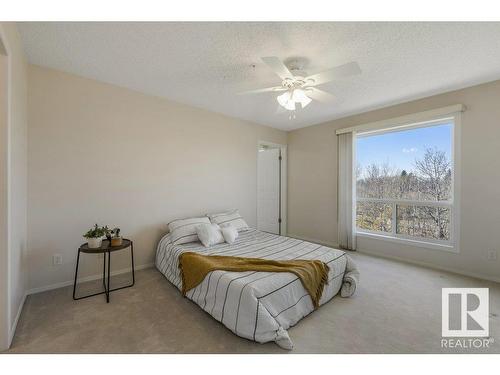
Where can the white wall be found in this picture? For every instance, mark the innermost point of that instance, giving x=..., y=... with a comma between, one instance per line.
x=312, y=185
x=100, y=153
x=16, y=146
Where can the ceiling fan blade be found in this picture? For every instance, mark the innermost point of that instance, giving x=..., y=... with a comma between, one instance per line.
x=277, y=66
x=345, y=70
x=320, y=95
x=267, y=89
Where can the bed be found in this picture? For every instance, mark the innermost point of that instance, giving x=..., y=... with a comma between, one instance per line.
x=259, y=306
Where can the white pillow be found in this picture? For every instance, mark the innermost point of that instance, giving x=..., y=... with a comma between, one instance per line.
x=229, y=232
x=209, y=234
x=230, y=217
x=184, y=230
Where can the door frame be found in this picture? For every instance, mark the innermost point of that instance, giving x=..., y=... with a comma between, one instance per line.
x=283, y=183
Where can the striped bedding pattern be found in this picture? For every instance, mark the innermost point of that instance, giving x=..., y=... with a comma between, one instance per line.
x=259, y=306
x=184, y=230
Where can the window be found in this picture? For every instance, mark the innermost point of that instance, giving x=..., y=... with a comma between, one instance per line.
x=405, y=183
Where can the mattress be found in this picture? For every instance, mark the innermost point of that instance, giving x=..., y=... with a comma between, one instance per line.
x=259, y=306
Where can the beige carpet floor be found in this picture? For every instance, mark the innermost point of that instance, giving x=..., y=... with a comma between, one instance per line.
x=397, y=309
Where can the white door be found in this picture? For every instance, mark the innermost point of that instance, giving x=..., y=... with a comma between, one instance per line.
x=268, y=190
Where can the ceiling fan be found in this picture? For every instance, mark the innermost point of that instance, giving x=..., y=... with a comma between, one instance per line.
x=298, y=88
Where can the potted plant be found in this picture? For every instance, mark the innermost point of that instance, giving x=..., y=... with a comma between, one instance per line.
x=107, y=232
x=116, y=239
x=94, y=237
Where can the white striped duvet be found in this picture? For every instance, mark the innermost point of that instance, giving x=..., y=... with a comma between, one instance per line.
x=259, y=306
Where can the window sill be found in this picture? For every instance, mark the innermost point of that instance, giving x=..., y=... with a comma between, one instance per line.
x=410, y=242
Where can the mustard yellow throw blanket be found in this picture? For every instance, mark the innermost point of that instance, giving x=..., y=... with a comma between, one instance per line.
x=312, y=273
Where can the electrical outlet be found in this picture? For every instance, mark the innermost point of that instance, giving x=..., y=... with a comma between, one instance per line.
x=492, y=255
x=57, y=259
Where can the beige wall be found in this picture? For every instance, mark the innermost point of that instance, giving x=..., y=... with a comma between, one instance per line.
x=4, y=199
x=312, y=185
x=14, y=145
x=100, y=153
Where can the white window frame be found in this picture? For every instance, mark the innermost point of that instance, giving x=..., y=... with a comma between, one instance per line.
x=418, y=120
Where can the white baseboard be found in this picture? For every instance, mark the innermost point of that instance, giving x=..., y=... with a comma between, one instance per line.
x=324, y=243
x=432, y=266
x=85, y=279
x=14, y=324
x=406, y=260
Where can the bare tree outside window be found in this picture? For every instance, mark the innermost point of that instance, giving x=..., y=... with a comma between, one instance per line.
x=430, y=179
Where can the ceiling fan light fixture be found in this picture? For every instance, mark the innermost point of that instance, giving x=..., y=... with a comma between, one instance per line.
x=290, y=105
x=290, y=99
x=286, y=100
x=299, y=96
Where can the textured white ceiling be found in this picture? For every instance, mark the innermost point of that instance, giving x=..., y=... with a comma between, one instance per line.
x=207, y=64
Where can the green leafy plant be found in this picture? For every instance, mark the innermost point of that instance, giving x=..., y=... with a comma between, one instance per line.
x=95, y=232
x=107, y=232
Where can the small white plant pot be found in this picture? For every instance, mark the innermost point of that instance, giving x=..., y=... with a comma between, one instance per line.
x=94, y=243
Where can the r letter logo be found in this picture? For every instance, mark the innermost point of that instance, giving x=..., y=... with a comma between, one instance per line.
x=465, y=312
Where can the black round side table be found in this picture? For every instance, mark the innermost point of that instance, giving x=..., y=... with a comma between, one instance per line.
x=105, y=248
